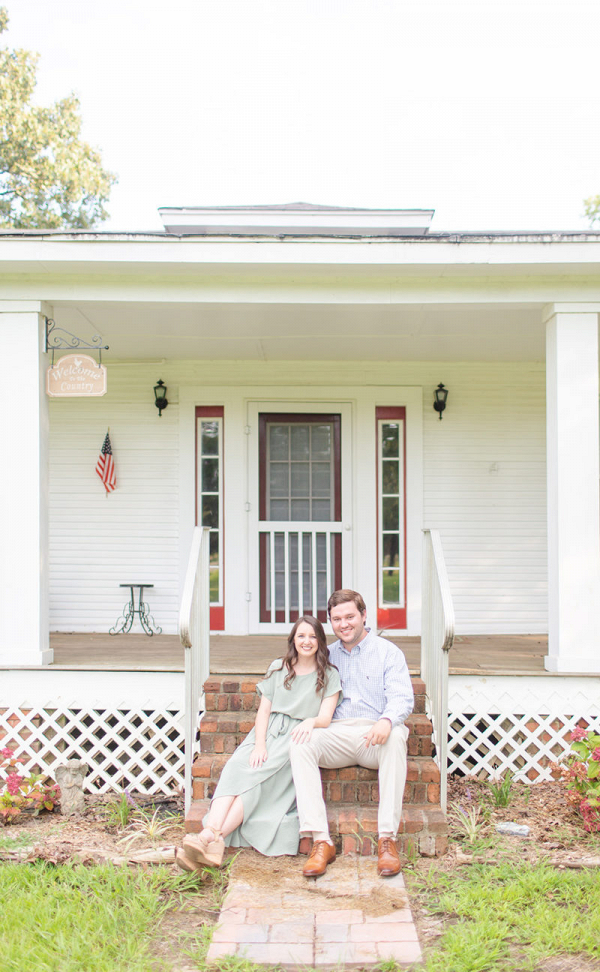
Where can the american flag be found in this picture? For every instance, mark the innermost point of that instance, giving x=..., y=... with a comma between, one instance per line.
x=105, y=467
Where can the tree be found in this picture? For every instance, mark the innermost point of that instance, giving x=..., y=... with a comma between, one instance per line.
x=49, y=177
x=592, y=209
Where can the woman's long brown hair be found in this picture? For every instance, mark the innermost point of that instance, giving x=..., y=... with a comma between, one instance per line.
x=321, y=658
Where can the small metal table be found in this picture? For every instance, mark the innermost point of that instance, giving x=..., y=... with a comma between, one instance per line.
x=125, y=620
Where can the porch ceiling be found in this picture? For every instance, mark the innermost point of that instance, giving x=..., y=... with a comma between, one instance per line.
x=329, y=331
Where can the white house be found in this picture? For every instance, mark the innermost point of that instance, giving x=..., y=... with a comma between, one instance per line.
x=301, y=347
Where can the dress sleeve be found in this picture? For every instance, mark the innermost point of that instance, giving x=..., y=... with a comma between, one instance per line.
x=267, y=687
x=333, y=685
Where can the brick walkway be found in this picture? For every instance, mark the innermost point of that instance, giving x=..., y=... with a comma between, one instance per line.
x=350, y=917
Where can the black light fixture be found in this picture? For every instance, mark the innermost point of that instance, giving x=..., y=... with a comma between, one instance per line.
x=441, y=394
x=160, y=395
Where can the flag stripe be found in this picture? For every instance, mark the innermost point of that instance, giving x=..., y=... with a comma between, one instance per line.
x=105, y=467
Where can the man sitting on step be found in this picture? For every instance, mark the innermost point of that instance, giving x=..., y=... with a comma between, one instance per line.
x=367, y=729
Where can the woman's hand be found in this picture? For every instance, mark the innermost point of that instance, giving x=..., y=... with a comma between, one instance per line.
x=258, y=756
x=303, y=731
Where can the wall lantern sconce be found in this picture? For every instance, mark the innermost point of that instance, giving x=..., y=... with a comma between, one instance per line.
x=160, y=395
x=441, y=394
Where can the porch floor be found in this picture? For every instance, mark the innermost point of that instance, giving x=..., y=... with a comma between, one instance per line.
x=250, y=655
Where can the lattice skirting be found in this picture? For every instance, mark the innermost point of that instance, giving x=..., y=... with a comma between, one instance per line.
x=139, y=749
x=489, y=744
x=521, y=724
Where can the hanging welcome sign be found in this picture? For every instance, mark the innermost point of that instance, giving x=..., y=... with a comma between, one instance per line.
x=76, y=376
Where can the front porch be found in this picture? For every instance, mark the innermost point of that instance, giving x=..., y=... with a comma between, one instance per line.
x=480, y=655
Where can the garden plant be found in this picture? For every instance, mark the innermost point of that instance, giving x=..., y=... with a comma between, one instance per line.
x=23, y=794
x=580, y=771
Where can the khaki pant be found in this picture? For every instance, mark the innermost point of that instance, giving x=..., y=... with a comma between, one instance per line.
x=343, y=744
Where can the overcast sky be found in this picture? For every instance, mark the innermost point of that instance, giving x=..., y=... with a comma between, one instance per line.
x=485, y=110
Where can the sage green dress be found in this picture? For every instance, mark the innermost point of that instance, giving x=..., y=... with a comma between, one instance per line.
x=267, y=792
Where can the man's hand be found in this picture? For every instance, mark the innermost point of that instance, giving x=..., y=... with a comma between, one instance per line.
x=379, y=733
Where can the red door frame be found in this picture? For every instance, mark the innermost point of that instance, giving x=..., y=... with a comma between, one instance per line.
x=217, y=611
x=394, y=618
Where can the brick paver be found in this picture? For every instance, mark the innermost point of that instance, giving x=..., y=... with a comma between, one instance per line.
x=348, y=918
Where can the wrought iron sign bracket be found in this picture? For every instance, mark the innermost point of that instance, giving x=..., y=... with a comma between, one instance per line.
x=59, y=339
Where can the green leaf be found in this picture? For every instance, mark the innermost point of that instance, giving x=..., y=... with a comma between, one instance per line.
x=593, y=770
x=49, y=177
x=580, y=748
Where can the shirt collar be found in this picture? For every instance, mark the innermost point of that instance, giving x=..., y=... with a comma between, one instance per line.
x=357, y=648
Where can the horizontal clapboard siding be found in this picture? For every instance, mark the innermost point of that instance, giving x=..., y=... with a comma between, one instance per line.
x=485, y=491
x=98, y=542
x=484, y=485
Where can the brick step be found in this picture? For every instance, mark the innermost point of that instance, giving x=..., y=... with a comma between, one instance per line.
x=350, y=784
x=353, y=828
x=222, y=732
x=231, y=693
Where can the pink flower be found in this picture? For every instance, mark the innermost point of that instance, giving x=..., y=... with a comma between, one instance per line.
x=596, y=754
x=13, y=783
x=578, y=734
x=6, y=753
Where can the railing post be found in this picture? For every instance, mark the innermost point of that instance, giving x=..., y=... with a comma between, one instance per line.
x=194, y=634
x=437, y=637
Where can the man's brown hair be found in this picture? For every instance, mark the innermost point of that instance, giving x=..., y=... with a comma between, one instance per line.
x=342, y=597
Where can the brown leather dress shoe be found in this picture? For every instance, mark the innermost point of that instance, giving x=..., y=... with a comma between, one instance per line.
x=321, y=855
x=388, y=861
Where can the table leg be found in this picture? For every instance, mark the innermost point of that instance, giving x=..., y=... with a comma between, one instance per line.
x=125, y=619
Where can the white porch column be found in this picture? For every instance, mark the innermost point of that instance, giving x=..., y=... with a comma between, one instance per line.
x=24, y=638
x=573, y=474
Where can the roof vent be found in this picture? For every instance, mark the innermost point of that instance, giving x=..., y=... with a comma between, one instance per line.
x=295, y=219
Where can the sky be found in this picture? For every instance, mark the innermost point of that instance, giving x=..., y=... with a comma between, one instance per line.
x=487, y=111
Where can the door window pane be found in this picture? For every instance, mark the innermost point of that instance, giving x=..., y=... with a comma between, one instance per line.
x=300, y=442
x=214, y=547
x=390, y=476
x=214, y=584
x=391, y=554
x=300, y=509
x=321, y=510
x=391, y=586
x=279, y=441
x=389, y=440
x=210, y=511
x=300, y=470
x=210, y=475
x=321, y=479
x=279, y=476
x=279, y=510
x=210, y=438
x=321, y=442
x=390, y=512
x=299, y=474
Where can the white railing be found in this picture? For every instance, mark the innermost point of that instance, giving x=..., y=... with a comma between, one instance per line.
x=300, y=567
x=437, y=637
x=194, y=626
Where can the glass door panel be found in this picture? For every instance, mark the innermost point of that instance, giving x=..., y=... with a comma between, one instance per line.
x=300, y=509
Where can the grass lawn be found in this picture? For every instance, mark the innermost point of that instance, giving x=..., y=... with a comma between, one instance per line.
x=74, y=918
x=492, y=904
x=511, y=916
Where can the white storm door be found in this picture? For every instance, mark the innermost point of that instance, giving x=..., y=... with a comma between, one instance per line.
x=298, y=532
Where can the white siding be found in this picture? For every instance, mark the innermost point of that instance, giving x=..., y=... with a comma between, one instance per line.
x=484, y=484
x=98, y=542
x=485, y=491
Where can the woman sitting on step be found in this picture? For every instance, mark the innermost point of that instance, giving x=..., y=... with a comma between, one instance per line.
x=254, y=804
